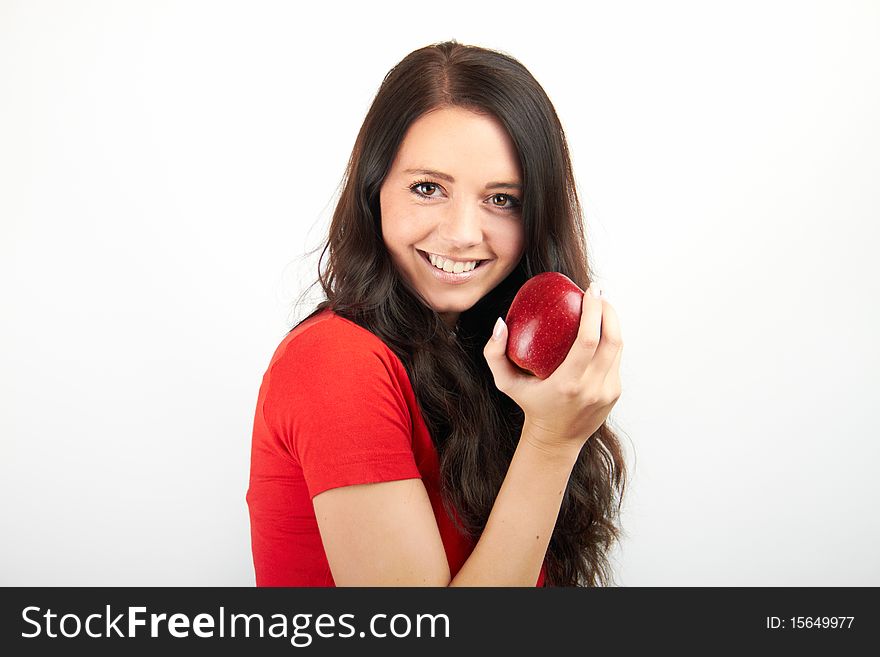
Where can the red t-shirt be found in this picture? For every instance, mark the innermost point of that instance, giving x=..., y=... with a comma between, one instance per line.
x=335, y=408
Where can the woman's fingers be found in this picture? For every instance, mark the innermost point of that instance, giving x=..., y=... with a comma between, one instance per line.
x=607, y=353
x=572, y=369
x=611, y=385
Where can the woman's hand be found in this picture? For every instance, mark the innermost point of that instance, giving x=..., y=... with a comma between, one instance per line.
x=566, y=408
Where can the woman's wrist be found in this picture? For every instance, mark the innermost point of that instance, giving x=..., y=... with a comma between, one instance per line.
x=552, y=443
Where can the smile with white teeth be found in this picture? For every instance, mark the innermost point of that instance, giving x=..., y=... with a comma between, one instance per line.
x=451, y=266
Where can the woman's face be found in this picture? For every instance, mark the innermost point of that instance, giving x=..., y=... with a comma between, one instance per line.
x=454, y=190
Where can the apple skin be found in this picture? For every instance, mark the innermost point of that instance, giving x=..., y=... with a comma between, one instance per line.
x=543, y=322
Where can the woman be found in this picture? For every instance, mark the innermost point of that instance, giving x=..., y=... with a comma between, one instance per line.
x=394, y=442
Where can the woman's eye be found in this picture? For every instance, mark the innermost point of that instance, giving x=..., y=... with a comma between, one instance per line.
x=508, y=201
x=429, y=187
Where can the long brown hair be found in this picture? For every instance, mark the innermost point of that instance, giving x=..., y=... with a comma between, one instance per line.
x=474, y=426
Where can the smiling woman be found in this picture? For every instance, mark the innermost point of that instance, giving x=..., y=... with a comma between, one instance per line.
x=436, y=233
x=384, y=451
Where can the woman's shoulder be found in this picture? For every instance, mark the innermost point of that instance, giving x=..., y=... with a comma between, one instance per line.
x=326, y=358
x=333, y=394
x=327, y=339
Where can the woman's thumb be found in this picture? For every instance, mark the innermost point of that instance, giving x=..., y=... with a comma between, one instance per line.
x=495, y=353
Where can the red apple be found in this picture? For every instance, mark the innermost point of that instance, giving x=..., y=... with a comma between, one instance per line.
x=543, y=322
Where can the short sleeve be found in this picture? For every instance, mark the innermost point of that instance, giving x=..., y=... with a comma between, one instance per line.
x=335, y=403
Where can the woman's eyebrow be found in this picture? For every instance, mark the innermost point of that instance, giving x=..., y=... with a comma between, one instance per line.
x=448, y=178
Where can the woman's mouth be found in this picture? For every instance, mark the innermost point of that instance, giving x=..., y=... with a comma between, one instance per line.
x=452, y=277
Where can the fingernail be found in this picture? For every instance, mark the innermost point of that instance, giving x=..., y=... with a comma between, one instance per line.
x=499, y=328
x=595, y=292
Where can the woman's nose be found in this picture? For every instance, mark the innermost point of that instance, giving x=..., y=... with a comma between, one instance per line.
x=461, y=227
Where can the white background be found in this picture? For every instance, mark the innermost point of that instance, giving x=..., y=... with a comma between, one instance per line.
x=166, y=166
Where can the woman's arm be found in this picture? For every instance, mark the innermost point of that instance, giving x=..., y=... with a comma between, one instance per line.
x=381, y=534
x=513, y=544
x=385, y=534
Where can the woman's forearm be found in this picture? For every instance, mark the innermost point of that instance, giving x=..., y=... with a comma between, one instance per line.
x=513, y=545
